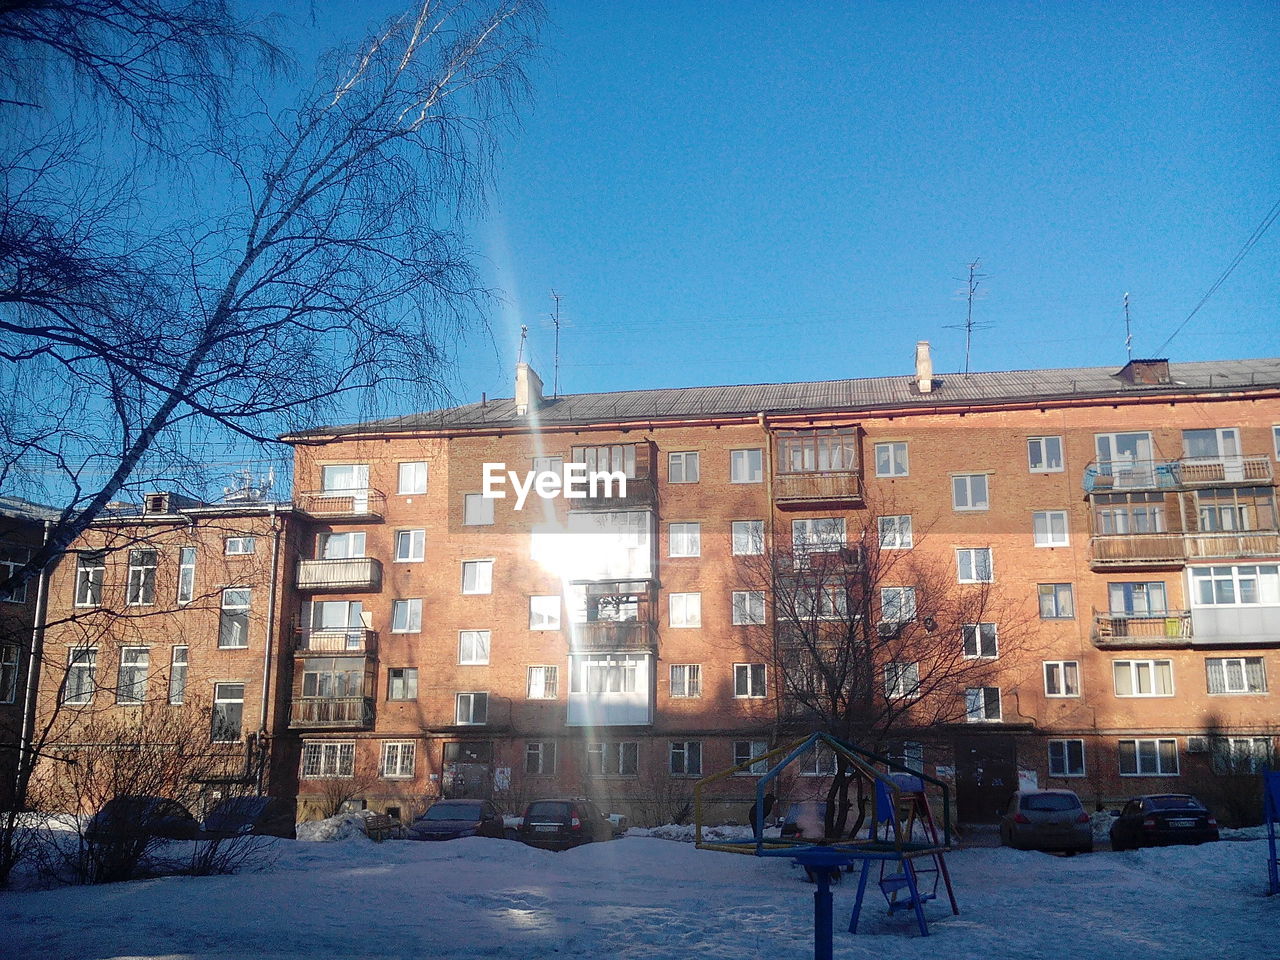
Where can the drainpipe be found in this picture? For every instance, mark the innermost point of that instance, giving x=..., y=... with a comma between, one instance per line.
x=26, y=759
x=264, y=736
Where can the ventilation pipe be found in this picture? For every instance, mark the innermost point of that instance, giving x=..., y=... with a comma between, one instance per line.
x=924, y=367
x=528, y=390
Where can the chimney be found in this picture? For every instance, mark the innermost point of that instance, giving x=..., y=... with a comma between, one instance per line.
x=924, y=367
x=1145, y=373
x=528, y=390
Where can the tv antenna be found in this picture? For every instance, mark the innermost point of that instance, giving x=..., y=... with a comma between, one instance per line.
x=555, y=319
x=1128, y=333
x=524, y=335
x=975, y=280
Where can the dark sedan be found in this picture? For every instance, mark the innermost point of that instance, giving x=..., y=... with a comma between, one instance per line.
x=560, y=824
x=1162, y=819
x=450, y=819
x=251, y=816
x=138, y=817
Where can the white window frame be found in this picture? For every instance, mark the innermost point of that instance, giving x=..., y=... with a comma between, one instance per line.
x=344, y=545
x=963, y=488
x=689, y=684
x=8, y=672
x=1275, y=441
x=481, y=577
x=234, y=617
x=544, y=753
x=1061, y=679
x=186, y=590
x=687, y=537
x=746, y=465
x=613, y=758
x=1152, y=669
x=477, y=510
x=542, y=682
x=748, y=538
x=977, y=705
x=1051, y=528
x=971, y=557
x=895, y=532
x=1056, y=594
x=689, y=467
x=407, y=681
x=470, y=704
x=976, y=633
x=219, y=698
x=398, y=760
x=91, y=576
x=1241, y=755
x=82, y=662
x=685, y=758
x=1265, y=578
x=1138, y=770
x=406, y=615
x=1229, y=687
x=412, y=478
x=744, y=678
x=331, y=472
x=179, y=662
x=904, y=604
x=901, y=680
x=328, y=759
x=1040, y=457
x=747, y=607
x=140, y=588
x=1061, y=765
x=473, y=648
x=544, y=612
x=745, y=750
x=892, y=459
x=818, y=535
x=411, y=545
x=684, y=610
x=819, y=762
x=240, y=546
x=131, y=675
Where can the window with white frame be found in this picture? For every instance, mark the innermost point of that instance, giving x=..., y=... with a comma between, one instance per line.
x=8, y=672
x=411, y=546
x=1061, y=678
x=614, y=758
x=824, y=601
x=748, y=538
x=1066, y=758
x=1236, y=674
x=330, y=759
x=682, y=467
x=477, y=510
x=12, y=559
x=91, y=572
x=413, y=478
x=746, y=466
x=603, y=673
x=909, y=753
x=397, y=759
x=233, y=622
x=685, y=609
x=228, y=712
x=539, y=758
x=544, y=612
x=186, y=574
x=1243, y=585
x=1275, y=441
x=473, y=647
x=979, y=641
x=402, y=683
x=891, y=459
x=685, y=539
x=344, y=617
x=471, y=709
x=406, y=615
x=1156, y=757
x=749, y=680
x=897, y=604
x=820, y=761
x=82, y=670
x=686, y=758
x=543, y=682
x=1049, y=528
x=748, y=607
x=140, y=587
x=344, y=476
x=1143, y=678
x=1044, y=454
x=901, y=680
x=240, y=546
x=895, y=532
x=608, y=458
x=744, y=751
x=477, y=576
x=686, y=680
x=551, y=465
x=969, y=491
x=982, y=704
x=1057, y=601
x=1240, y=756
x=973, y=565
x=340, y=546
x=131, y=681
x=817, y=535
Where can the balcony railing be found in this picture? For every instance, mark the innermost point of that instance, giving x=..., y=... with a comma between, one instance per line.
x=339, y=712
x=641, y=492
x=842, y=486
x=604, y=635
x=312, y=641
x=1233, y=543
x=365, y=503
x=1121, y=550
x=1104, y=476
x=1125, y=630
x=1216, y=471
x=353, y=573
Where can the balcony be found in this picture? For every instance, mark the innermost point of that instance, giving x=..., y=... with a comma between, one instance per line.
x=642, y=494
x=347, y=713
x=362, y=504
x=352, y=573
x=614, y=635
x=1221, y=471
x=803, y=489
x=1233, y=544
x=1118, y=631
x=315, y=641
x=1136, y=551
x=1107, y=476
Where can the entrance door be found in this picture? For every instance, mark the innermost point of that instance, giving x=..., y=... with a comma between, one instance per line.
x=986, y=776
x=468, y=771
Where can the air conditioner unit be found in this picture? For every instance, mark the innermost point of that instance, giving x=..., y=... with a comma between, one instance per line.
x=1197, y=744
x=889, y=628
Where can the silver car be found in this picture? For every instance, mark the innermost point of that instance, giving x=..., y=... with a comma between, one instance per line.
x=1049, y=820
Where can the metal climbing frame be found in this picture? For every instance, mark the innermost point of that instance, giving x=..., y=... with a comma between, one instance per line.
x=1271, y=813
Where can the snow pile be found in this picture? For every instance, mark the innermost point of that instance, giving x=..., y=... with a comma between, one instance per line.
x=345, y=826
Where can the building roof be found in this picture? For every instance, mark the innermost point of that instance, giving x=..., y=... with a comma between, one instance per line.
x=867, y=394
x=26, y=509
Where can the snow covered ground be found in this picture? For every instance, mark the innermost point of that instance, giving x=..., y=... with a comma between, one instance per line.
x=648, y=897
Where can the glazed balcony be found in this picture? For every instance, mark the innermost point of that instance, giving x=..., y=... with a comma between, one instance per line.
x=309, y=642
x=817, y=487
x=364, y=504
x=1136, y=551
x=335, y=713
x=1233, y=544
x=350, y=573
x=1131, y=631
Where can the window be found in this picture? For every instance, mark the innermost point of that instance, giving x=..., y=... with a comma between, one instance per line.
x=1066, y=758
x=91, y=571
x=895, y=532
x=332, y=759
x=1149, y=758
x=1126, y=458
x=340, y=546
x=332, y=678
x=402, y=683
x=1061, y=678
x=1275, y=441
x=1049, y=528
x=603, y=673
x=748, y=538
x=746, y=466
x=748, y=607
x=552, y=465
x=544, y=683
x=1044, y=454
x=686, y=680
x=828, y=601
x=1057, y=601
x=82, y=669
x=544, y=612
x=540, y=758
x=910, y=754
x=1143, y=678
x=744, y=751
x=397, y=760
x=8, y=672
x=1137, y=599
x=233, y=625
x=471, y=709
x=969, y=491
x=228, y=712
x=343, y=617
x=477, y=510
x=411, y=546
x=982, y=704
x=817, y=451
x=613, y=458
x=413, y=478
x=686, y=758
x=682, y=467
x=1238, y=586
x=1236, y=675
x=685, y=609
x=979, y=640
x=131, y=681
x=685, y=539
x=749, y=680
x=1211, y=444
x=406, y=616
x=818, y=762
x=817, y=535
x=344, y=476
x=1223, y=510
x=240, y=546
x=11, y=560
x=1128, y=513
x=141, y=588
x=974, y=565
x=901, y=680
x=891, y=460
x=473, y=647
x=477, y=576
x=897, y=604
x=620, y=759
x=1241, y=755
x=186, y=574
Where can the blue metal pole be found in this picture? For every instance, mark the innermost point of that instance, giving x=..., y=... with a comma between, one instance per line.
x=822, y=945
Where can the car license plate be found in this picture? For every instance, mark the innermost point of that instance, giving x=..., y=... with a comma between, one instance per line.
x=545, y=828
x=1182, y=823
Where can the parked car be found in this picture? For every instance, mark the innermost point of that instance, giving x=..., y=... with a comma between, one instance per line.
x=1161, y=819
x=1049, y=820
x=561, y=823
x=450, y=819
x=134, y=817
x=251, y=816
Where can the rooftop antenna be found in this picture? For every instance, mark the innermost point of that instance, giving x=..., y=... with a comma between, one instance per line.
x=555, y=319
x=524, y=335
x=1128, y=333
x=975, y=280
